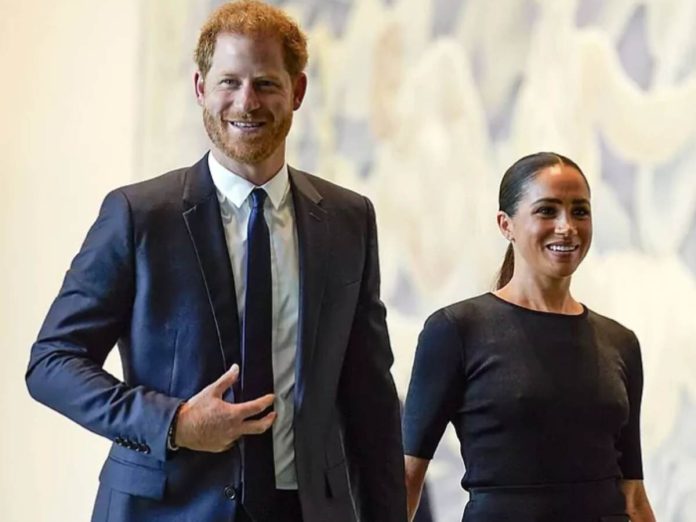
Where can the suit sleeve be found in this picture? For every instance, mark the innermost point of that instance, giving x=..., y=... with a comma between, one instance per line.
x=91, y=312
x=369, y=399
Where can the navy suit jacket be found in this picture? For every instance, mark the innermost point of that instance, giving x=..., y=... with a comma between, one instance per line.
x=154, y=277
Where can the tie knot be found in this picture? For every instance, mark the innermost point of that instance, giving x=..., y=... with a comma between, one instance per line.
x=258, y=197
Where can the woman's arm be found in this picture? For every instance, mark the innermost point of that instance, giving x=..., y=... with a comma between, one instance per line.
x=637, y=503
x=434, y=395
x=415, y=478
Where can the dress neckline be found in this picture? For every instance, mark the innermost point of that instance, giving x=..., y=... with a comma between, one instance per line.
x=540, y=312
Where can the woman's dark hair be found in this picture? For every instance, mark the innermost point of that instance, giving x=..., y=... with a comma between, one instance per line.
x=512, y=188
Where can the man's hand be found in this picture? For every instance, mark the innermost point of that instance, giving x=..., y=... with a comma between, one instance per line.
x=208, y=423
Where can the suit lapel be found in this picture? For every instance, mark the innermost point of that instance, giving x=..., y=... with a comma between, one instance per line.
x=202, y=216
x=313, y=240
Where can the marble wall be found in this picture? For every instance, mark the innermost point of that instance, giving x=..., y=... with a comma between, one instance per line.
x=422, y=104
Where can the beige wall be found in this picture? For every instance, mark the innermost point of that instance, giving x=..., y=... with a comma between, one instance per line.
x=67, y=135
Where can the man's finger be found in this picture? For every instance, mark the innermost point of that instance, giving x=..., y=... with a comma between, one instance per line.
x=225, y=381
x=256, y=427
x=251, y=408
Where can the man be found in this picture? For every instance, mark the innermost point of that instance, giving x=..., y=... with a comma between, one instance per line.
x=231, y=287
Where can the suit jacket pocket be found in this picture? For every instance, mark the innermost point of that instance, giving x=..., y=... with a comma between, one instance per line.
x=133, y=479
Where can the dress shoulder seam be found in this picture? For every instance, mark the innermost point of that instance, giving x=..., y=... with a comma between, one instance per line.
x=453, y=323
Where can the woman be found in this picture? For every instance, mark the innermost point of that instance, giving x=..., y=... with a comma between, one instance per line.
x=544, y=394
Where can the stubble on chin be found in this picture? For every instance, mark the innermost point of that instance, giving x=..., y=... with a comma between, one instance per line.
x=252, y=150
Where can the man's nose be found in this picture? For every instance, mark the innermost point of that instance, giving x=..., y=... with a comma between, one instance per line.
x=247, y=99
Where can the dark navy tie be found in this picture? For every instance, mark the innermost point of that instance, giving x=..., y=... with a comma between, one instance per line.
x=257, y=362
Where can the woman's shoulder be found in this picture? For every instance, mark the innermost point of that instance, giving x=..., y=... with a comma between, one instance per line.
x=608, y=324
x=465, y=317
x=454, y=326
x=470, y=310
x=612, y=330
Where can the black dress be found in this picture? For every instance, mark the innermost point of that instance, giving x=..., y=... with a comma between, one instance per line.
x=546, y=407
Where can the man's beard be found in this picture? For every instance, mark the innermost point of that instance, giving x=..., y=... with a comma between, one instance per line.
x=246, y=149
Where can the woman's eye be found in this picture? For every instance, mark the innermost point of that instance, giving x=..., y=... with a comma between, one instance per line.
x=582, y=212
x=546, y=211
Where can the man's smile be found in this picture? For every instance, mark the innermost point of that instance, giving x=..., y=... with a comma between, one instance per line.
x=247, y=125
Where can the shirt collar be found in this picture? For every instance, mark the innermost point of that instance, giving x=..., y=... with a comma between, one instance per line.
x=237, y=189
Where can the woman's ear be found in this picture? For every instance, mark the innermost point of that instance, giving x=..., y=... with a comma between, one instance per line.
x=505, y=225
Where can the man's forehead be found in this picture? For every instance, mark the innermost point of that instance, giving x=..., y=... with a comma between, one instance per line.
x=235, y=45
x=256, y=39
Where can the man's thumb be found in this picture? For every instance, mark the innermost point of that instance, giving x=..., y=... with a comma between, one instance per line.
x=226, y=380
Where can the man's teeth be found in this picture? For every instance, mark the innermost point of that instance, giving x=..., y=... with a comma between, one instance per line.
x=562, y=248
x=246, y=124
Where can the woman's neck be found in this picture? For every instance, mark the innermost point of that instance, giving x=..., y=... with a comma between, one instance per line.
x=542, y=294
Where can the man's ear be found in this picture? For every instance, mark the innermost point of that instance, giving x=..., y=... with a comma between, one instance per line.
x=299, y=89
x=199, y=86
x=505, y=225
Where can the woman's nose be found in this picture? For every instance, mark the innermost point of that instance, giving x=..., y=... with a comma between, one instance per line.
x=564, y=226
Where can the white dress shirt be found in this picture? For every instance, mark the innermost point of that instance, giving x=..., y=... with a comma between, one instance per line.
x=233, y=193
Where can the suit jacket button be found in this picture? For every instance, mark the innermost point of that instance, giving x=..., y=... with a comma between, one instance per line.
x=230, y=492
